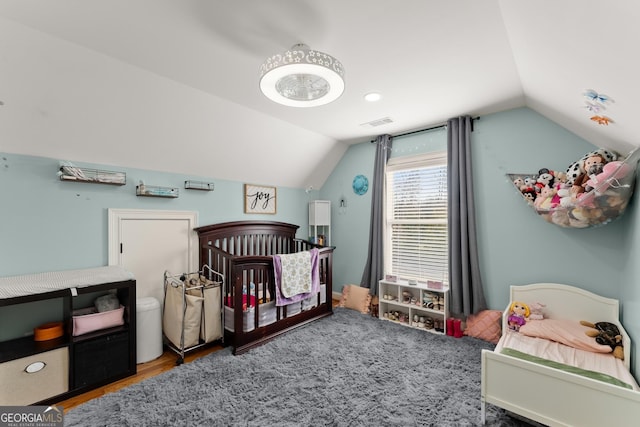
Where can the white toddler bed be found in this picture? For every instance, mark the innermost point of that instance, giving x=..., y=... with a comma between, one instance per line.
x=552, y=396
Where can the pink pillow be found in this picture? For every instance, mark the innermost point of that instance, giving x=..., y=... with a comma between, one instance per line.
x=355, y=298
x=485, y=325
x=567, y=332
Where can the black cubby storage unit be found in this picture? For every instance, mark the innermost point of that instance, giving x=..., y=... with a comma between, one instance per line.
x=73, y=364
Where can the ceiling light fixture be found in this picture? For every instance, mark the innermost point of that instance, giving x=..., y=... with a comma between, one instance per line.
x=301, y=77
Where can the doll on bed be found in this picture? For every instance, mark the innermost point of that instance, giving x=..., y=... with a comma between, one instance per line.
x=518, y=315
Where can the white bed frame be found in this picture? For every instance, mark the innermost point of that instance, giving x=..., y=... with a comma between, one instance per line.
x=551, y=396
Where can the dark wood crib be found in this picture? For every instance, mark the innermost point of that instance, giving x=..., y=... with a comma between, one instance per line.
x=242, y=251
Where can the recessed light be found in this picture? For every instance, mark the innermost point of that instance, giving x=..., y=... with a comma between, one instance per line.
x=372, y=97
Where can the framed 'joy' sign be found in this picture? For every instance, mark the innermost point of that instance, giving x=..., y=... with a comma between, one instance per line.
x=259, y=199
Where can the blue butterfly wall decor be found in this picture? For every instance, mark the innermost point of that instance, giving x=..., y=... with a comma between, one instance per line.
x=595, y=104
x=594, y=96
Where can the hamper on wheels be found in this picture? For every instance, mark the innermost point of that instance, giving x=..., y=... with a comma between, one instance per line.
x=192, y=315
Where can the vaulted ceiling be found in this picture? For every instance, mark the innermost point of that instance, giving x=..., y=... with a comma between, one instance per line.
x=173, y=85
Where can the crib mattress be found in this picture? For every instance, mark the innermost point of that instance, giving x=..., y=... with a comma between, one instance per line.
x=29, y=284
x=604, y=363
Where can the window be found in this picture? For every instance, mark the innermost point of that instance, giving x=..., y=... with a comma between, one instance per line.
x=416, y=217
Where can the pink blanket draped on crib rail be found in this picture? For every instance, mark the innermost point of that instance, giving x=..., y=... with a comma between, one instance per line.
x=283, y=274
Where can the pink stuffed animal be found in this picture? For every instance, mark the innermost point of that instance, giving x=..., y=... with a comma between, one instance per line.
x=544, y=199
x=536, y=311
x=610, y=171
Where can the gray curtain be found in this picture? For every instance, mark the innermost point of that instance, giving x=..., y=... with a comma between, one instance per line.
x=374, y=269
x=465, y=284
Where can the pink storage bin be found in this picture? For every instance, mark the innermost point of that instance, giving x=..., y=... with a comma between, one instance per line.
x=85, y=323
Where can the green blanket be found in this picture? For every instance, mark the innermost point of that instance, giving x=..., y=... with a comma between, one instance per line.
x=567, y=368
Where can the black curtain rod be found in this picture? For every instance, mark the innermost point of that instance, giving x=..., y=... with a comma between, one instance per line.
x=440, y=126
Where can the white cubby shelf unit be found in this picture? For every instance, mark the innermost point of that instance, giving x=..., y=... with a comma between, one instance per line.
x=417, y=306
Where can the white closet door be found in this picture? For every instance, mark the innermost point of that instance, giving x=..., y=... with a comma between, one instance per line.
x=149, y=242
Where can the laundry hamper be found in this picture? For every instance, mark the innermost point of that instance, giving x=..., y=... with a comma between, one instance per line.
x=192, y=315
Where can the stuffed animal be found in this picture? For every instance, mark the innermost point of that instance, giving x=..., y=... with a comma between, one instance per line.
x=613, y=203
x=544, y=199
x=519, y=183
x=592, y=166
x=610, y=171
x=529, y=182
x=606, y=333
x=529, y=195
x=562, y=190
x=567, y=199
x=518, y=315
x=560, y=217
x=536, y=311
x=545, y=179
x=577, y=168
x=583, y=217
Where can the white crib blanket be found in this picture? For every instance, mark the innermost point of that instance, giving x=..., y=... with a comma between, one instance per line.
x=28, y=284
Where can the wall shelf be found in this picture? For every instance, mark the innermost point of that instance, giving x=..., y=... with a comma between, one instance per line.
x=154, y=191
x=94, y=176
x=199, y=185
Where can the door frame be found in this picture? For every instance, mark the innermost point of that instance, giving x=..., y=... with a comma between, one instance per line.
x=117, y=216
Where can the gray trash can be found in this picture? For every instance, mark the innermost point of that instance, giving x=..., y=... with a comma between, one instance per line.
x=149, y=329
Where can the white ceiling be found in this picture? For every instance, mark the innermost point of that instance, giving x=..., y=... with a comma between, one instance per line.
x=173, y=85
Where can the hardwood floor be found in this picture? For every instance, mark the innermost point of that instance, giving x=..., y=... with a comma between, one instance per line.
x=144, y=370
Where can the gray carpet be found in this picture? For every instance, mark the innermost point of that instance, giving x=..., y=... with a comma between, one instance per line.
x=345, y=370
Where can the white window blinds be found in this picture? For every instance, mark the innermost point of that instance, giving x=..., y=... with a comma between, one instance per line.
x=416, y=201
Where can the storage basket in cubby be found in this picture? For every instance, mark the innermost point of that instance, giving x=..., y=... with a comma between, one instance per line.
x=87, y=320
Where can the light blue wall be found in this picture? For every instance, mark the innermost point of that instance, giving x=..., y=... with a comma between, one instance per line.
x=350, y=228
x=50, y=225
x=516, y=247
x=46, y=224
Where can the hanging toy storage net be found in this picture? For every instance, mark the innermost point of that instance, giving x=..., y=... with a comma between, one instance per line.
x=593, y=191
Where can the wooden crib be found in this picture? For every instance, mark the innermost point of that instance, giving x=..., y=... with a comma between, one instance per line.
x=243, y=252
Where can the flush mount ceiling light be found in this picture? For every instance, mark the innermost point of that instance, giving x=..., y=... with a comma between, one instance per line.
x=301, y=77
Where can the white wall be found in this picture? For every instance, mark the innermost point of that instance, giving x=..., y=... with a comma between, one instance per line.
x=64, y=101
